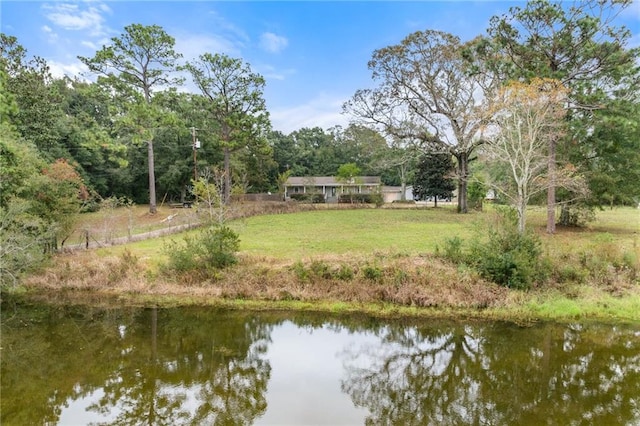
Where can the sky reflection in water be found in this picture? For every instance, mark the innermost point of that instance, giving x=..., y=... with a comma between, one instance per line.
x=74, y=366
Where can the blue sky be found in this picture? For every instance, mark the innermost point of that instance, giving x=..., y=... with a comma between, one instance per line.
x=313, y=54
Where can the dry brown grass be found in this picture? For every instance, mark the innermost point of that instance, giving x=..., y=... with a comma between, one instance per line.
x=405, y=281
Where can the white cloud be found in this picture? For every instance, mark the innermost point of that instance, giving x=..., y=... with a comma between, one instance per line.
x=222, y=37
x=269, y=72
x=323, y=111
x=193, y=45
x=78, y=16
x=51, y=35
x=73, y=69
x=228, y=30
x=272, y=42
x=91, y=45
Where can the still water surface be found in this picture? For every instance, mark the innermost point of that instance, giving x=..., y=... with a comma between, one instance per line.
x=199, y=366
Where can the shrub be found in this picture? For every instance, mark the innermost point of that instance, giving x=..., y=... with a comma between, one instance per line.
x=507, y=257
x=212, y=249
x=357, y=198
x=476, y=193
x=219, y=247
x=127, y=262
x=576, y=216
x=345, y=273
x=372, y=272
x=320, y=269
x=300, y=271
x=500, y=254
x=377, y=198
x=308, y=198
x=452, y=250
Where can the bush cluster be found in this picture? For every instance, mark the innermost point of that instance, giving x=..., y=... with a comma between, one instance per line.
x=308, y=198
x=361, y=198
x=500, y=254
x=210, y=250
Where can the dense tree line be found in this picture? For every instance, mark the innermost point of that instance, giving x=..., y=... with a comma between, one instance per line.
x=127, y=130
x=101, y=132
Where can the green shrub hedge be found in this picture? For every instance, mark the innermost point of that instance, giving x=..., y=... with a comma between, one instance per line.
x=308, y=198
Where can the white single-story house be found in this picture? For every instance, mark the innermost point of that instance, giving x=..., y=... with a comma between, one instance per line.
x=330, y=187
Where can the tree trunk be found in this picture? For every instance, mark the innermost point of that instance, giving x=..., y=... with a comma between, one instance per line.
x=152, y=181
x=551, y=191
x=522, y=211
x=403, y=183
x=227, y=176
x=463, y=170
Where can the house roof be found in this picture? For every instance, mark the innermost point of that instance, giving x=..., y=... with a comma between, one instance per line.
x=329, y=181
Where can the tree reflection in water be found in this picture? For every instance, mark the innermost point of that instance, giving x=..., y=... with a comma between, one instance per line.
x=497, y=374
x=157, y=367
x=196, y=366
x=212, y=362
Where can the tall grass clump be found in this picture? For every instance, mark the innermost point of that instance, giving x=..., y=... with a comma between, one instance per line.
x=499, y=253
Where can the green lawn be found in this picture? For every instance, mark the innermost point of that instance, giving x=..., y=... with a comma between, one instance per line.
x=406, y=231
x=362, y=231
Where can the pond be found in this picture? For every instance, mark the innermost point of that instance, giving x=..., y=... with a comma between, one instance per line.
x=201, y=366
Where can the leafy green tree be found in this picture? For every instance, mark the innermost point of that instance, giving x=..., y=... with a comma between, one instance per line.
x=361, y=145
x=23, y=233
x=8, y=104
x=397, y=162
x=29, y=85
x=433, y=177
x=134, y=65
x=477, y=191
x=426, y=82
x=38, y=205
x=610, y=155
x=235, y=104
x=577, y=45
x=282, y=180
x=349, y=174
x=315, y=152
x=253, y=170
x=86, y=135
x=286, y=153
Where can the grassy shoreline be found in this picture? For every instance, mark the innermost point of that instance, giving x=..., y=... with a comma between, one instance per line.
x=377, y=262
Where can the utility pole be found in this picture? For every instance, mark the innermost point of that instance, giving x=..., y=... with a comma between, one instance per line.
x=196, y=145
